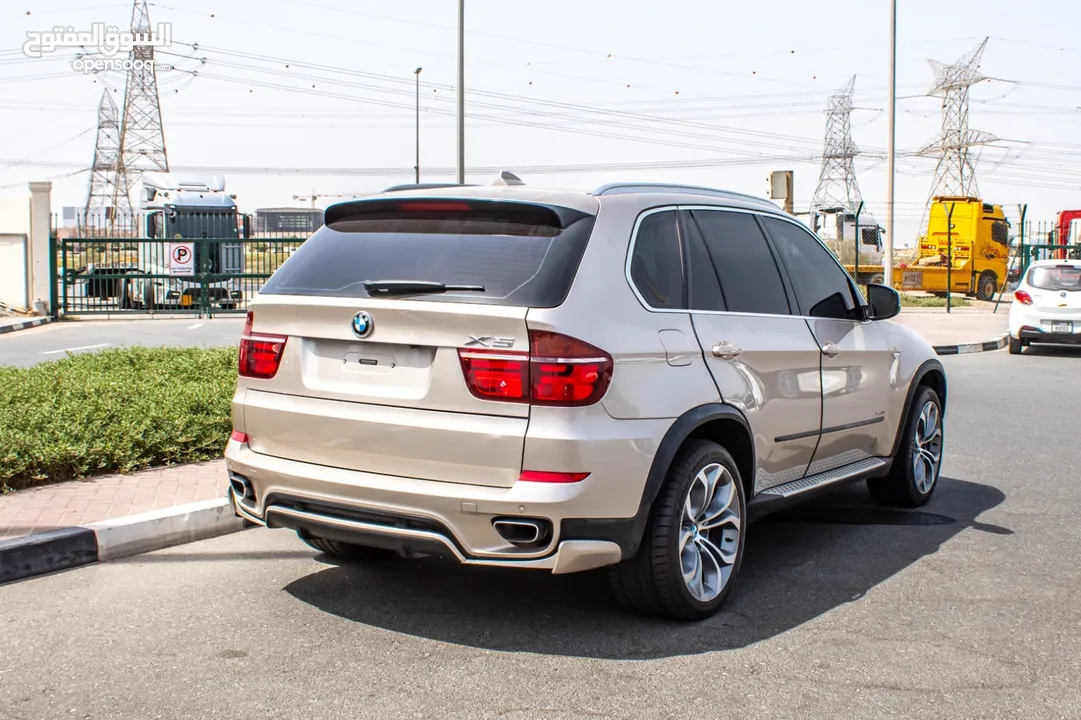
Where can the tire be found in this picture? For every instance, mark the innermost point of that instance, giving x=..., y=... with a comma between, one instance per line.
x=903, y=487
x=349, y=551
x=125, y=296
x=1016, y=346
x=652, y=582
x=876, y=279
x=987, y=286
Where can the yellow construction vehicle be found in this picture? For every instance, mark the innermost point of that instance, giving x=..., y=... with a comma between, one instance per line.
x=966, y=248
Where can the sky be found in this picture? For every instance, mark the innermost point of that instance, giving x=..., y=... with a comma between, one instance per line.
x=290, y=97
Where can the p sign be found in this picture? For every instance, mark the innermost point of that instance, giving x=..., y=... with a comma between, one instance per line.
x=182, y=258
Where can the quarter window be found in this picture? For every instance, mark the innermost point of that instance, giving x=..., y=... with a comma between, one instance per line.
x=657, y=262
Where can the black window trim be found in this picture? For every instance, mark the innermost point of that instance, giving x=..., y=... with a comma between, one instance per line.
x=682, y=258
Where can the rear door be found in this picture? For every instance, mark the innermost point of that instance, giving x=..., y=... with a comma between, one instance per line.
x=857, y=358
x=417, y=384
x=763, y=358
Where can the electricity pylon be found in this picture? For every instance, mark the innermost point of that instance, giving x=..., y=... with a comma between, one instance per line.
x=107, y=198
x=955, y=173
x=837, y=186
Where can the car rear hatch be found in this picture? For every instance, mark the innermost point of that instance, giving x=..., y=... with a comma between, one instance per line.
x=1055, y=289
x=389, y=326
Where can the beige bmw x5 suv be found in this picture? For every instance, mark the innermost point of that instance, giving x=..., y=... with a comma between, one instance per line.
x=566, y=381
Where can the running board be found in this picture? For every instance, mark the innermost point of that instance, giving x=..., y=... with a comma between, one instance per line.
x=812, y=482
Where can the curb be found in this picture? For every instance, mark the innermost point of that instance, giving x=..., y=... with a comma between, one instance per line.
x=66, y=548
x=997, y=344
x=36, y=322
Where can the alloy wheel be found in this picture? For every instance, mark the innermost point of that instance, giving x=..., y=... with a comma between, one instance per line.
x=709, y=532
x=927, y=447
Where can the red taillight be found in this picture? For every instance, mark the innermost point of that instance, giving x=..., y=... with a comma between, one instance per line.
x=566, y=371
x=558, y=370
x=260, y=354
x=552, y=477
x=238, y=436
x=1023, y=297
x=496, y=375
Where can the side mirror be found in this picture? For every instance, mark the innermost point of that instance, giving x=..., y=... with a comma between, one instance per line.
x=247, y=226
x=885, y=302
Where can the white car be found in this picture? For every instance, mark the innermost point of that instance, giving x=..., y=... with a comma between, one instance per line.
x=1047, y=305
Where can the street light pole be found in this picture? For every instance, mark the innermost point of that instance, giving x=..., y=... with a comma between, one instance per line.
x=887, y=255
x=461, y=92
x=417, y=166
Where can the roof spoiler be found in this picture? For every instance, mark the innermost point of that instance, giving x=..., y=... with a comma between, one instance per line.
x=424, y=186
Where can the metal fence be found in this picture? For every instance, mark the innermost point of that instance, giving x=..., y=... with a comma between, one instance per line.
x=209, y=262
x=204, y=277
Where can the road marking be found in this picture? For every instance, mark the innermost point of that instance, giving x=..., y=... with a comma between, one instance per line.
x=83, y=347
x=196, y=326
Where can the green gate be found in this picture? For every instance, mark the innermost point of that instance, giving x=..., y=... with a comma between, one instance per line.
x=202, y=277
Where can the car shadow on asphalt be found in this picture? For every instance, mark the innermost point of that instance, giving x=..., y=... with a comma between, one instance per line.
x=797, y=566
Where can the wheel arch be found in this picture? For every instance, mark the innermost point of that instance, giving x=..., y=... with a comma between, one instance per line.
x=718, y=422
x=721, y=423
x=930, y=374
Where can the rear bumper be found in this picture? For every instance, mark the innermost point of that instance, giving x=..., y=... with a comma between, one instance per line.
x=568, y=556
x=592, y=523
x=1042, y=336
x=1027, y=323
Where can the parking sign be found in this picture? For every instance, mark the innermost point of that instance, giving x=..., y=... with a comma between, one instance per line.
x=182, y=258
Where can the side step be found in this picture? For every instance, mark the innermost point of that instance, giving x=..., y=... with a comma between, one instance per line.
x=812, y=482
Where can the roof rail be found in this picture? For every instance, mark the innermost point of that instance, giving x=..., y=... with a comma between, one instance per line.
x=629, y=187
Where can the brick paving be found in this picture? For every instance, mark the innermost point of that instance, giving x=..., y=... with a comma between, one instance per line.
x=111, y=496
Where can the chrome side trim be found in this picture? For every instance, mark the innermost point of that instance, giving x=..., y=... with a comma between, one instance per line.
x=826, y=478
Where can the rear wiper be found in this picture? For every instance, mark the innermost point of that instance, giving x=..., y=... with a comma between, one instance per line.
x=409, y=287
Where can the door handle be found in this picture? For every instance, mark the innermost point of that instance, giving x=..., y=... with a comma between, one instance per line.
x=831, y=349
x=726, y=351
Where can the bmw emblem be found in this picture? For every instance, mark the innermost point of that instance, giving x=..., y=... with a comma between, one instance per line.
x=362, y=324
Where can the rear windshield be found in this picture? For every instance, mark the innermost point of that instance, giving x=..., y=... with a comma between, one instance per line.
x=523, y=254
x=1058, y=277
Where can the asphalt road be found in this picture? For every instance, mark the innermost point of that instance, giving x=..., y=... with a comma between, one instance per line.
x=970, y=608
x=54, y=341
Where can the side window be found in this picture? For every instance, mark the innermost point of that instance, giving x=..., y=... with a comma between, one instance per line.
x=742, y=260
x=822, y=286
x=1000, y=232
x=657, y=262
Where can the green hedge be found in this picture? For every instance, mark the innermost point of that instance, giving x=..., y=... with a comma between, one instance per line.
x=113, y=411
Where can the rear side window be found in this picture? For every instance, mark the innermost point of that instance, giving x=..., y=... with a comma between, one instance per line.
x=1057, y=277
x=521, y=253
x=657, y=262
x=742, y=260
